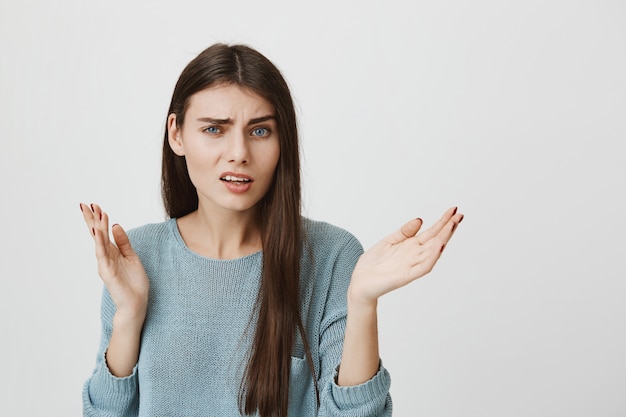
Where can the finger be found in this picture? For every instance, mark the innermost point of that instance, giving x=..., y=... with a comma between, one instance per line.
x=97, y=212
x=101, y=249
x=433, y=249
x=434, y=230
x=101, y=222
x=121, y=240
x=97, y=216
x=88, y=216
x=408, y=230
x=447, y=232
x=427, y=265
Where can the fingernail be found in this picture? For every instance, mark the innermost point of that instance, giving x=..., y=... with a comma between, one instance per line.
x=91, y=206
x=461, y=219
x=454, y=212
x=81, y=207
x=420, y=219
x=442, y=248
x=93, y=231
x=100, y=215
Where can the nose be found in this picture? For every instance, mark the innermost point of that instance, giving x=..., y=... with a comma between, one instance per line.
x=237, y=149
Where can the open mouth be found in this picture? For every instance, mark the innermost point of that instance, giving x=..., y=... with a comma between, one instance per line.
x=235, y=180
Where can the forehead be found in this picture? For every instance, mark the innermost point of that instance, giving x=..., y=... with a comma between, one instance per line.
x=229, y=101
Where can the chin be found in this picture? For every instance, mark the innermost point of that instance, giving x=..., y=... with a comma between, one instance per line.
x=240, y=207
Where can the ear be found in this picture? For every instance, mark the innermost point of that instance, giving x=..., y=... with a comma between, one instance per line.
x=174, y=135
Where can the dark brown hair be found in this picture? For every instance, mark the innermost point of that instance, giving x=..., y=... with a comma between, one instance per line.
x=266, y=379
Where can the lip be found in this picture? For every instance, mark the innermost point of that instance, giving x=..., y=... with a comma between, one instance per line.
x=234, y=186
x=236, y=174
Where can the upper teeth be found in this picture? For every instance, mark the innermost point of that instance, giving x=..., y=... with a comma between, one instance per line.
x=231, y=178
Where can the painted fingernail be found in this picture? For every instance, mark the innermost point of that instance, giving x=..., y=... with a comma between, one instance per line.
x=454, y=212
x=93, y=231
x=91, y=207
x=81, y=207
x=420, y=219
x=100, y=215
x=461, y=219
x=442, y=248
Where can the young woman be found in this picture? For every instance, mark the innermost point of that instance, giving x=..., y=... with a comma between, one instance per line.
x=237, y=305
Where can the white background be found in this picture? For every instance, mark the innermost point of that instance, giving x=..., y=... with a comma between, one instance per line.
x=515, y=111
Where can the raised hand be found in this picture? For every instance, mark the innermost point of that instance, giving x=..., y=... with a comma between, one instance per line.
x=401, y=257
x=118, y=265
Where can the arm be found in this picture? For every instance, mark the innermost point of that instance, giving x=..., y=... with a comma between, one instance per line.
x=334, y=259
x=113, y=385
x=396, y=261
x=126, y=280
x=123, y=351
x=360, y=358
x=105, y=394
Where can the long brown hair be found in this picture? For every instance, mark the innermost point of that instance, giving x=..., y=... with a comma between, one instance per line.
x=266, y=379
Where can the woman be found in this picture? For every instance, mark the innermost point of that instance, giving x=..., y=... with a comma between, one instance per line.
x=237, y=304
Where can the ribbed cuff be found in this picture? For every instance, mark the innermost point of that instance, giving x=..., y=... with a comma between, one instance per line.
x=111, y=392
x=374, y=390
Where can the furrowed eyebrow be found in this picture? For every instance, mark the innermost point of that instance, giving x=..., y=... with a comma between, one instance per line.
x=230, y=121
x=261, y=119
x=215, y=121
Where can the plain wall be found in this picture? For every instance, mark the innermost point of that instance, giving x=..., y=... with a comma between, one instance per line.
x=514, y=111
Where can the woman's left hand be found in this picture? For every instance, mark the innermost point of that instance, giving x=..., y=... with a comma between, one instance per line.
x=401, y=258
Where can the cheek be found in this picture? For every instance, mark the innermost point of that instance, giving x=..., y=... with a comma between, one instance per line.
x=274, y=161
x=272, y=158
x=193, y=165
x=268, y=166
x=200, y=164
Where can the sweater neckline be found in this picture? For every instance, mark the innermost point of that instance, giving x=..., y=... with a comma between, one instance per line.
x=181, y=242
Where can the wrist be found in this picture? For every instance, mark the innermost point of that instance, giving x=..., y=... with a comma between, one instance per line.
x=131, y=322
x=360, y=302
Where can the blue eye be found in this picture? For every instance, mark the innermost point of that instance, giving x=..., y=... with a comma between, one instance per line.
x=213, y=130
x=260, y=132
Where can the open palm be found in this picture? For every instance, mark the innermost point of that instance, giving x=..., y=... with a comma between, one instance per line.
x=119, y=265
x=402, y=257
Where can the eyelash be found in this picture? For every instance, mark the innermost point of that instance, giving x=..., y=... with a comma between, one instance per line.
x=267, y=132
x=215, y=130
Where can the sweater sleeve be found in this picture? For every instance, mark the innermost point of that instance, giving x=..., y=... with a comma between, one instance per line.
x=104, y=394
x=371, y=398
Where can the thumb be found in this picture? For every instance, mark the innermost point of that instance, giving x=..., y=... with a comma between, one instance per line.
x=121, y=240
x=409, y=230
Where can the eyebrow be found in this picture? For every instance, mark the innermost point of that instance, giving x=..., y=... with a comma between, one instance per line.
x=230, y=121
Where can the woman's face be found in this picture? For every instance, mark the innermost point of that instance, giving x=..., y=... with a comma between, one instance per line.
x=230, y=141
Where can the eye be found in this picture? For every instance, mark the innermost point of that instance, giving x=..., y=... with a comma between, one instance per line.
x=213, y=130
x=261, y=132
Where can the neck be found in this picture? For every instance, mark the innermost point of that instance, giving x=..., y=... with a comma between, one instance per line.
x=220, y=235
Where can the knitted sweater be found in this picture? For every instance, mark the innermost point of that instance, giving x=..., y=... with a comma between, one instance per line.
x=197, y=332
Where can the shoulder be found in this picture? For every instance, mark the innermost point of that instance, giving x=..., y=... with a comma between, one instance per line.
x=322, y=233
x=330, y=254
x=328, y=243
x=150, y=229
x=151, y=234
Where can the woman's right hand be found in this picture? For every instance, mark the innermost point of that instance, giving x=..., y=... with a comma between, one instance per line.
x=119, y=266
